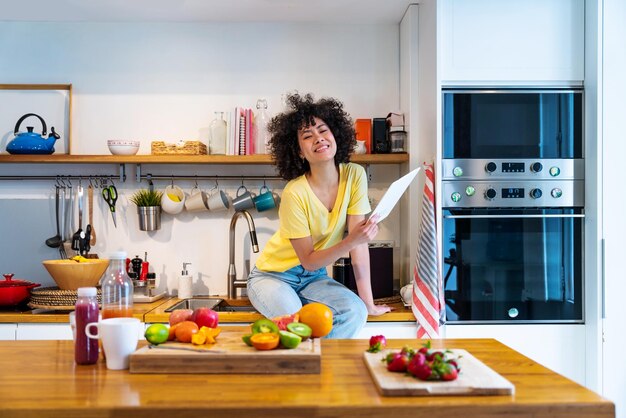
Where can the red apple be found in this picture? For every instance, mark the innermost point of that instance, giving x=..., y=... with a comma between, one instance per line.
x=180, y=315
x=205, y=317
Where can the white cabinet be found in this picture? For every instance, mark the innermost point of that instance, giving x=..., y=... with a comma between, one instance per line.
x=43, y=332
x=7, y=331
x=559, y=347
x=498, y=42
x=389, y=330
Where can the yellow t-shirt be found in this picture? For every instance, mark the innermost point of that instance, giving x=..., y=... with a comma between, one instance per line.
x=302, y=214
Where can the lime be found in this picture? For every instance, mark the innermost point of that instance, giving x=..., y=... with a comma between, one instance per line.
x=289, y=339
x=157, y=333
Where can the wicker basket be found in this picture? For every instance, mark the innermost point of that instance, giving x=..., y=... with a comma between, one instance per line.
x=182, y=148
x=55, y=298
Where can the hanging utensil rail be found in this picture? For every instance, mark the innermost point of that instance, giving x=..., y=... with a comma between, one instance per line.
x=149, y=177
x=63, y=177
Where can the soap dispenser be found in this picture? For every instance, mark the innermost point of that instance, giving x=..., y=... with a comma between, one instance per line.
x=185, y=283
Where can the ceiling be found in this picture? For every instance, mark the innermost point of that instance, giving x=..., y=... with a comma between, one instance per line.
x=321, y=11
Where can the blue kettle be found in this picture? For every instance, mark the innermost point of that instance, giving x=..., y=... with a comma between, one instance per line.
x=31, y=142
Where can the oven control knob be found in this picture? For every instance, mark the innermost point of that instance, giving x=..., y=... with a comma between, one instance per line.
x=555, y=171
x=490, y=167
x=556, y=193
x=536, y=193
x=470, y=190
x=536, y=167
x=490, y=194
x=456, y=196
x=457, y=171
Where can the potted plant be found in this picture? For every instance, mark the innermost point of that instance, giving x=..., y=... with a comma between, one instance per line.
x=148, y=203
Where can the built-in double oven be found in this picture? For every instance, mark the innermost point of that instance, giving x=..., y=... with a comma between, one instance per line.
x=513, y=205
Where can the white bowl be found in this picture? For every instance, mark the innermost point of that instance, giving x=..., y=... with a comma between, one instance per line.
x=122, y=147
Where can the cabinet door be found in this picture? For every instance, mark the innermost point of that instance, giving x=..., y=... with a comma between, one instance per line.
x=44, y=332
x=7, y=332
x=512, y=41
x=389, y=330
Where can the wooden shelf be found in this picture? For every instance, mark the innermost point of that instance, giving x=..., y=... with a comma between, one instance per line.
x=180, y=159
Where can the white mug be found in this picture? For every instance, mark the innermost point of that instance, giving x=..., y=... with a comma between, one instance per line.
x=119, y=339
x=218, y=200
x=170, y=206
x=197, y=201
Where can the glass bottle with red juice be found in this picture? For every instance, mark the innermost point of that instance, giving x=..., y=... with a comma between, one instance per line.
x=87, y=310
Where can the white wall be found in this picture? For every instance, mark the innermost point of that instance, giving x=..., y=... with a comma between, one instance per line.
x=163, y=81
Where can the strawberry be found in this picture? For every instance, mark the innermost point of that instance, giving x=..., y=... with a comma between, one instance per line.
x=449, y=372
x=434, y=354
x=397, y=363
x=377, y=343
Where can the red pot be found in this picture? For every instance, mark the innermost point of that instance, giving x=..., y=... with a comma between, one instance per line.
x=14, y=292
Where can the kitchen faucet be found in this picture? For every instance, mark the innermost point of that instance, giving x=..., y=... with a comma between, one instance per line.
x=233, y=283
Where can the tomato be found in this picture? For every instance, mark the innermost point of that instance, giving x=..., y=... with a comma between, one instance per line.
x=265, y=340
x=185, y=330
x=319, y=317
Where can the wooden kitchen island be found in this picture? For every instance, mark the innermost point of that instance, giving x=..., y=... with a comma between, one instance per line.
x=39, y=379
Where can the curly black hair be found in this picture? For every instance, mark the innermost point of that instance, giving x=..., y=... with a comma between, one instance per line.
x=284, y=127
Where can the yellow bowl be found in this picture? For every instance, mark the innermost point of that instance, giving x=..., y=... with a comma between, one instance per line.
x=70, y=275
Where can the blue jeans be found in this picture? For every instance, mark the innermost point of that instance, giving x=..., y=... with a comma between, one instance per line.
x=275, y=294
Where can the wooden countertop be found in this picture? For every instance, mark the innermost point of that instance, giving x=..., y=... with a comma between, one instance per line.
x=155, y=312
x=55, y=387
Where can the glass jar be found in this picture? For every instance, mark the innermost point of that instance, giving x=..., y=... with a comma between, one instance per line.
x=397, y=139
x=87, y=311
x=261, y=120
x=217, y=135
x=117, y=288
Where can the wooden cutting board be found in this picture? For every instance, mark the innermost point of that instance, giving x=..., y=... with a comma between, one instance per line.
x=475, y=378
x=228, y=355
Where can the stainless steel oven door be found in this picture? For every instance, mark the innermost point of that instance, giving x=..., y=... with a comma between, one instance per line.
x=505, y=265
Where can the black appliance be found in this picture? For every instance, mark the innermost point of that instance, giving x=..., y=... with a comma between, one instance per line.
x=381, y=272
x=380, y=139
x=512, y=194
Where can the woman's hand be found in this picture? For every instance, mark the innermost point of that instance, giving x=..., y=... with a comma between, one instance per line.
x=377, y=310
x=364, y=232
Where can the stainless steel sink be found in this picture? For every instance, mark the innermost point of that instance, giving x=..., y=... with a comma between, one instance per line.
x=217, y=304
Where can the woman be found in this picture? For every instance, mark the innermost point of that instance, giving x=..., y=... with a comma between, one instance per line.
x=311, y=145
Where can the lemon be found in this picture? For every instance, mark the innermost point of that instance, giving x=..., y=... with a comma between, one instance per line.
x=173, y=197
x=157, y=333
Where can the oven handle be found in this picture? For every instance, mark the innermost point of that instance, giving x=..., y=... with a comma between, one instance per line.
x=513, y=216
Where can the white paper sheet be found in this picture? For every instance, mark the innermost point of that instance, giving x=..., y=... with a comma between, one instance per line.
x=393, y=194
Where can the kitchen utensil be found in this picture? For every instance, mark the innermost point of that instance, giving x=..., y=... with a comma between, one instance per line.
x=476, y=378
x=31, y=142
x=76, y=238
x=62, y=249
x=55, y=241
x=228, y=355
x=84, y=241
x=110, y=196
x=70, y=275
x=92, y=236
x=14, y=292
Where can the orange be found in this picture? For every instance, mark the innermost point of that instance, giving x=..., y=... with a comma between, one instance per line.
x=265, y=341
x=185, y=330
x=319, y=317
x=172, y=333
